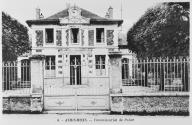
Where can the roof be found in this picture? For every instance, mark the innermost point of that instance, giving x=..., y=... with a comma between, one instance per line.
x=94, y=18
x=84, y=13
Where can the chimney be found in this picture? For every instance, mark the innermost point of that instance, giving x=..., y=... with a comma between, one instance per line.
x=38, y=11
x=110, y=11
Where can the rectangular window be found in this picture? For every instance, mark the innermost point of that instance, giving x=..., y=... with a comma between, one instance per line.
x=100, y=35
x=100, y=65
x=49, y=35
x=75, y=35
x=50, y=66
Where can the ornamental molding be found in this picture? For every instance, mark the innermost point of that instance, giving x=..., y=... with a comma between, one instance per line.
x=74, y=17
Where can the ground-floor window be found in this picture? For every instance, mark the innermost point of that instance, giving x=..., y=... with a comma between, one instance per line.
x=50, y=66
x=100, y=65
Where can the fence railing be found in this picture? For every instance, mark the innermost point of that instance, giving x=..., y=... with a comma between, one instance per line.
x=156, y=75
x=159, y=74
x=16, y=77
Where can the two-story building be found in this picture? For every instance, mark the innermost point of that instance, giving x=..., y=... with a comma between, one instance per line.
x=80, y=49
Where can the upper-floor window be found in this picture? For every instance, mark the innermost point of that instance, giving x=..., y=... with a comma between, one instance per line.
x=100, y=35
x=49, y=35
x=75, y=35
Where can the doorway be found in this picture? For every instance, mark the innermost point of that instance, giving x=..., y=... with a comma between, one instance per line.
x=75, y=70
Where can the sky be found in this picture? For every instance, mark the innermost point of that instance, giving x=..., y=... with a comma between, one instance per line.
x=132, y=10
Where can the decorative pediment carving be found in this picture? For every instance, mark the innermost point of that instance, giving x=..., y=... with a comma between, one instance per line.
x=74, y=17
x=74, y=20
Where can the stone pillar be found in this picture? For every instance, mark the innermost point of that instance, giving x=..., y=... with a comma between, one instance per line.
x=115, y=73
x=37, y=74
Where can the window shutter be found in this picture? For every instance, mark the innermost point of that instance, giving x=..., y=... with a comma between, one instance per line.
x=67, y=37
x=78, y=37
x=82, y=37
x=39, y=37
x=110, y=37
x=91, y=37
x=71, y=35
x=102, y=37
x=58, y=38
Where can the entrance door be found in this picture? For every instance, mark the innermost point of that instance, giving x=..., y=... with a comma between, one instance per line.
x=75, y=70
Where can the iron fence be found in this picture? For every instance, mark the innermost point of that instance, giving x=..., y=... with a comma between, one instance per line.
x=160, y=74
x=16, y=77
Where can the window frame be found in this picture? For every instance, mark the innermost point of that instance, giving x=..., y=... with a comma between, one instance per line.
x=51, y=59
x=78, y=36
x=100, y=65
x=50, y=70
x=102, y=37
x=46, y=36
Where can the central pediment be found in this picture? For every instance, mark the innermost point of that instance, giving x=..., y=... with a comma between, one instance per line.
x=74, y=17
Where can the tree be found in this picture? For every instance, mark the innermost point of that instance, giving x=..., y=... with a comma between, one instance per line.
x=163, y=31
x=15, y=40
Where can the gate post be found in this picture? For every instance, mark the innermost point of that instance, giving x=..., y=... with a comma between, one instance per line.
x=36, y=63
x=115, y=72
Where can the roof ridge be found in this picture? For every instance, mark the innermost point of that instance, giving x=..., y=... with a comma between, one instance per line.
x=94, y=18
x=93, y=13
x=50, y=17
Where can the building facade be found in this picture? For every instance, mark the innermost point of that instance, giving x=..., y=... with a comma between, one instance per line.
x=79, y=48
